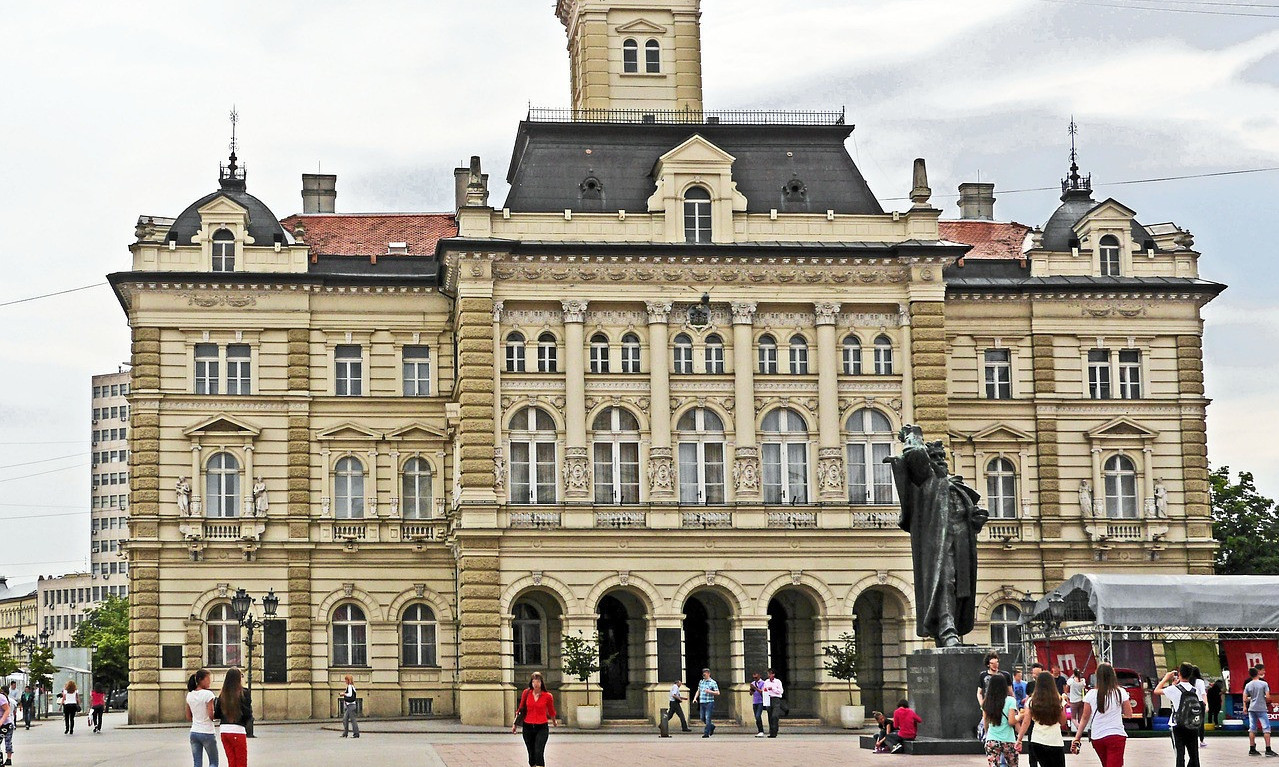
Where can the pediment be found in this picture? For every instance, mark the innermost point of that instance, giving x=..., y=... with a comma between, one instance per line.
x=1122, y=428
x=222, y=206
x=641, y=27
x=1111, y=207
x=347, y=431
x=222, y=424
x=697, y=150
x=1002, y=433
x=417, y=431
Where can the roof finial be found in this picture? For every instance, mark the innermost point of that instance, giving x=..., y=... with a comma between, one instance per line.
x=235, y=118
x=231, y=175
x=1075, y=182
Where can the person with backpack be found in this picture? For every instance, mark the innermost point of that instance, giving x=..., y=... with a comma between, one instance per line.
x=1188, y=712
x=1105, y=706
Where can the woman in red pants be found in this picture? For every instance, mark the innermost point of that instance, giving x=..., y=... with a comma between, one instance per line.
x=235, y=711
x=1105, y=706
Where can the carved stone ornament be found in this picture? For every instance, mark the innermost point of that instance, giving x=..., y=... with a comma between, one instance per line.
x=796, y=576
x=499, y=470
x=223, y=588
x=743, y=312
x=209, y=300
x=537, y=577
x=710, y=577
x=661, y=470
x=624, y=577
x=827, y=313
x=348, y=589
x=658, y=311
x=498, y=306
x=574, y=310
x=830, y=468
x=577, y=469
x=746, y=470
x=881, y=576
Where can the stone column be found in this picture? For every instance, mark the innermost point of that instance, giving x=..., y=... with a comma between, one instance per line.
x=246, y=486
x=1046, y=457
x=197, y=482
x=370, y=491
x=926, y=368
x=661, y=471
x=746, y=476
x=908, y=380
x=830, y=458
x=297, y=610
x=577, y=484
x=499, y=363
x=1194, y=450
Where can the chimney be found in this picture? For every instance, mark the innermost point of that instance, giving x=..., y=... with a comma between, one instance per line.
x=477, y=185
x=461, y=176
x=977, y=201
x=319, y=192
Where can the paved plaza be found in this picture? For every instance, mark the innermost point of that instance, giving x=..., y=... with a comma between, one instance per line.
x=444, y=744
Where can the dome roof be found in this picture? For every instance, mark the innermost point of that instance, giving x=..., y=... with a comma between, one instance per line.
x=264, y=227
x=1059, y=230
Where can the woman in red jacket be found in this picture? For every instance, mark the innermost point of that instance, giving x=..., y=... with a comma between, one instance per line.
x=537, y=713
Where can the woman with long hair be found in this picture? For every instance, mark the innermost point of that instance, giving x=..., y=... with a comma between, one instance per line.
x=70, y=706
x=1047, y=713
x=204, y=738
x=234, y=710
x=999, y=714
x=536, y=713
x=97, y=707
x=1105, y=706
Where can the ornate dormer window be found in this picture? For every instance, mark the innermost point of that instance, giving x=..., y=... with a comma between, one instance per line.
x=223, y=251
x=1108, y=254
x=697, y=215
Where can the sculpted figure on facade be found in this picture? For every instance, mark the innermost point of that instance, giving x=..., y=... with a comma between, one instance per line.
x=942, y=516
x=1085, y=498
x=183, y=490
x=1161, y=499
x=260, y=501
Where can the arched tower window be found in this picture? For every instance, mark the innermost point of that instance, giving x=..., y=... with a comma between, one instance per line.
x=222, y=486
x=515, y=352
x=631, y=353
x=767, y=355
x=714, y=354
x=798, y=355
x=1108, y=251
x=1121, y=488
x=348, y=489
x=599, y=353
x=415, y=497
x=223, y=251
x=683, y=355
x=546, y=353
x=883, y=356
x=852, y=356
x=697, y=215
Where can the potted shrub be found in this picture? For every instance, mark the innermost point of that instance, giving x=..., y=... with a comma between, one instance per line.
x=581, y=659
x=841, y=663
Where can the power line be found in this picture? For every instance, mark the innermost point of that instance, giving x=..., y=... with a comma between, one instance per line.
x=48, y=562
x=41, y=516
x=59, y=442
x=1130, y=182
x=40, y=506
x=42, y=473
x=43, y=460
x=1198, y=11
x=51, y=295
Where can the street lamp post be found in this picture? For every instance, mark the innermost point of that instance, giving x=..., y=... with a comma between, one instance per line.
x=30, y=644
x=241, y=605
x=1050, y=621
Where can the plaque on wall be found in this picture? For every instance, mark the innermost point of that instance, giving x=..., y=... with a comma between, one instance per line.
x=755, y=651
x=275, y=662
x=669, y=655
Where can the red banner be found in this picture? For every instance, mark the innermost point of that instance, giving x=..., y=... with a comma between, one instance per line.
x=1243, y=654
x=1067, y=656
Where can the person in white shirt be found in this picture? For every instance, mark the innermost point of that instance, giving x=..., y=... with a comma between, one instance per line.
x=1175, y=685
x=1105, y=707
x=773, y=703
x=204, y=737
x=675, y=709
x=8, y=717
x=70, y=700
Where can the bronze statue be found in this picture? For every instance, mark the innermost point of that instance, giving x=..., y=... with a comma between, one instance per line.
x=942, y=516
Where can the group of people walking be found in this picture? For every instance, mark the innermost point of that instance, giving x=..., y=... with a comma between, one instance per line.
x=768, y=701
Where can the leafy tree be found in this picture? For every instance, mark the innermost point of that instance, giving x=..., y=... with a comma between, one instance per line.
x=1245, y=523
x=106, y=630
x=581, y=658
x=8, y=663
x=42, y=668
x=841, y=661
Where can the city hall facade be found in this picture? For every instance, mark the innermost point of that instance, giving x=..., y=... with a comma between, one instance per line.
x=648, y=395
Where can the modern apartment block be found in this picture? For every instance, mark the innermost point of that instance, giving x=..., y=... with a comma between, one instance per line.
x=109, y=494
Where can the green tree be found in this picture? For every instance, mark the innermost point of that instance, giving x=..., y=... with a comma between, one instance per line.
x=841, y=661
x=42, y=668
x=8, y=663
x=1245, y=523
x=106, y=629
x=581, y=658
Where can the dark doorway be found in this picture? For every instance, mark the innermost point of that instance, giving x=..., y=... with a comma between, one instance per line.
x=614, y=630
x=868, y=626
x=708, y=644
x=778, y=641
x=697, y=642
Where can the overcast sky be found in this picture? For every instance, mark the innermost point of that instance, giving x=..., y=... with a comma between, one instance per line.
x=111, y=110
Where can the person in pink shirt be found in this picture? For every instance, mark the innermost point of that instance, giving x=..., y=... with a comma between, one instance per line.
x=97, y=707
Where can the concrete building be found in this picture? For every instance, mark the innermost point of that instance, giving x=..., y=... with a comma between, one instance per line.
x=109, y=495
x=64, y=600
x=649, y=395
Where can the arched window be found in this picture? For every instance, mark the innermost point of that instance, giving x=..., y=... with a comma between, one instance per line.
x=630, y=353
x=348, y=489
x=224, y=636
x=546, y=353
x=852, y=356
x=223, y=251
x=883, y=356
x=683, y=355
x=630, y=56
x=767, y=355
x=1121, y=488
x=870, y=441
x=701, y=457
x=1001, y=488
x=714, y=354
x=526, y=633
x=515, y=352
x=222, y=486
x=350, y=636
x=697, y=215
x=784, y=447
x=798, y=355
x=599, y=353
x=417, y=637
x=415, y=486
x=1108, y=251
x=653, y=57
x=533, y=464
x=616, y=442
x=1005, y=628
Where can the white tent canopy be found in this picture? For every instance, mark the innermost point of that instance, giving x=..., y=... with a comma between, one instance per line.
x=1188, y=601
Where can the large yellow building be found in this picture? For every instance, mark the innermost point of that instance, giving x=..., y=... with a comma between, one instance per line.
x=647, y=396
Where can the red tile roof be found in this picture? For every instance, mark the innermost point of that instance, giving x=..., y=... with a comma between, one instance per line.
x=369, y=234
x=990, y=239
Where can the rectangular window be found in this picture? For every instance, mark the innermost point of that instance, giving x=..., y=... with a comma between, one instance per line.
x=239, y=363
x=115, y=390
x=999, y=374
x=1099, y=374
x=599, y=358
x=683, y=359
x=697, y=221
x=1129, y=374
x=206, y=369
x=630, y=357
x=616, y=473
x=533, y=472
x=417, y=371
x=348, y=373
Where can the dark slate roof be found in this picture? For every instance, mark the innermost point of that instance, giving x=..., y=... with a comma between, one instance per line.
x=263, y=225
x=426, y=267
x=1001, y=283
x=1075, y=204
x=550, y=166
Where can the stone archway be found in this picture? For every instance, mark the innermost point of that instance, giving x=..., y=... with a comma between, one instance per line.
x=708, y=644
x=537, y=623
x=879, y=622
x=794, y=647
x=622, y=623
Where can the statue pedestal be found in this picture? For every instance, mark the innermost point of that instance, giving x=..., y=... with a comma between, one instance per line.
x=943, y=690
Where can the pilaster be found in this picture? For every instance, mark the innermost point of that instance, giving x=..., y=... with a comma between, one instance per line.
x=577, y=484
x=927, y=363
x=1047, y=458
x=746, y=469
x=830, y=462
x=661, y=469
